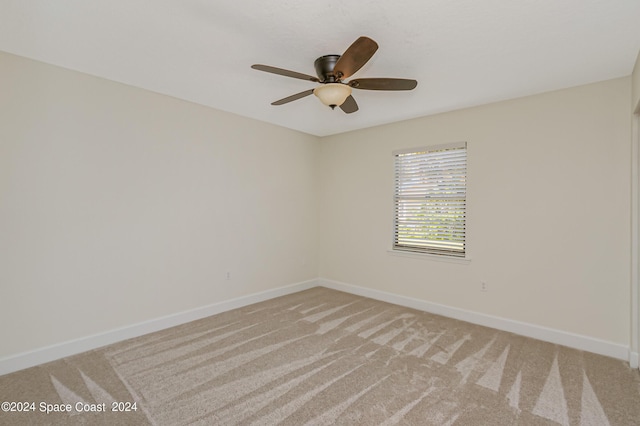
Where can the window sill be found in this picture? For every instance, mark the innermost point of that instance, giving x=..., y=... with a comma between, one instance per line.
x=433, y=257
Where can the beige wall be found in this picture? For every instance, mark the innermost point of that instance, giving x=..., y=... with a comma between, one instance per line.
x=635, y=135
x=118, y=205
x=548, y=210
x=635, y=101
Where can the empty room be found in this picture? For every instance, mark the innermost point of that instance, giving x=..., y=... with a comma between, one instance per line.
x=286, y=212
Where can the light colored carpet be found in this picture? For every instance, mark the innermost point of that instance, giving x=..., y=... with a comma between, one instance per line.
x=326, y=357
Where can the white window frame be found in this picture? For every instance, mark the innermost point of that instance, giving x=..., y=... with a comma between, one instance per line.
x=439, y=174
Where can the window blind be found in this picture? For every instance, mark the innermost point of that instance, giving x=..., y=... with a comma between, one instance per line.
x=430, y=200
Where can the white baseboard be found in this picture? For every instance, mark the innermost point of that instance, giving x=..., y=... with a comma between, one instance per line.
x=51, y=353
x=572, y=340
x=634, y=359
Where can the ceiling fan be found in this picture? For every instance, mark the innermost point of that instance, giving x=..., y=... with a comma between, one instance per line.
x=333, y=69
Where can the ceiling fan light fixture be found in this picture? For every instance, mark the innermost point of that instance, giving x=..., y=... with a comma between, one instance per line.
x=332, y=94
x=332, y=69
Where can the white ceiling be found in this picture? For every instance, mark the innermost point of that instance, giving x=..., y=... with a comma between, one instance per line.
x=462, y=52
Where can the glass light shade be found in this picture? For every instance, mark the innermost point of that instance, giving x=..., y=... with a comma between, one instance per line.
x=332, y=94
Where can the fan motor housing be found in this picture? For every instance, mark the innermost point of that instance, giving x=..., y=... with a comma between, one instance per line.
x=324, y=68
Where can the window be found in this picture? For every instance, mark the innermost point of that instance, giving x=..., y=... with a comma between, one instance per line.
x=430, y=200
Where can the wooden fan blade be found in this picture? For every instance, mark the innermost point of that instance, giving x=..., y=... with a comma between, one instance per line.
x=383, y=84
x=286, y=73
x=355, y=57
x=349, y=105
x=293, y=97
